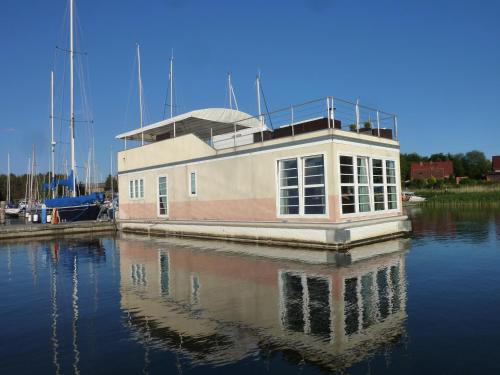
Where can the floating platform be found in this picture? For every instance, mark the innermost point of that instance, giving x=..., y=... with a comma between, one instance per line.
x=18, y=231
x=331, y=236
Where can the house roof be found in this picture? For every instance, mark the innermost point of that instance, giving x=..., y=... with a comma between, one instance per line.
x=202, y=122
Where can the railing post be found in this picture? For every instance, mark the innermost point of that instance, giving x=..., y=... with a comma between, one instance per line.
x=378, y=123
x=333, y=112
x=395, y=127
x=293, y=126
x=328, y=110
x=125, y=143
x=357, y=115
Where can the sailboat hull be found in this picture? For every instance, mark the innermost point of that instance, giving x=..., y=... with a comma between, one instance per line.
x=79, y=213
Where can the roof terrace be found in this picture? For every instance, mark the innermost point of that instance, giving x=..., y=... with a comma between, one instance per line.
x=223, y=128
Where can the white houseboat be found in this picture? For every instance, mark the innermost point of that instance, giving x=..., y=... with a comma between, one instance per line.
x=322, y=174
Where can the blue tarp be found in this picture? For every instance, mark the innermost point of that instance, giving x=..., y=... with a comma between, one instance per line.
x=68, y=182
x=75, y=201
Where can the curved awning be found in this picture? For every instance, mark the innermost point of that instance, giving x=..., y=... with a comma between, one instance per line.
x=203, y=123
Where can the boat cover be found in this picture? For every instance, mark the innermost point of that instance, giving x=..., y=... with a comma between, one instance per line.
x=75, y=201
x=68, y=182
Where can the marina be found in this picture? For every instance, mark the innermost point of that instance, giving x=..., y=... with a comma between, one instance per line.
x=196, y=306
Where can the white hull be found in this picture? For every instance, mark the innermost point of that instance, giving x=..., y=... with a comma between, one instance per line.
x=12, y=211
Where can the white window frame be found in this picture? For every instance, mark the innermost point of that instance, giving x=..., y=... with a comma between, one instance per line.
x=158, y=196
x=370, y=184
x=388, y=185
x=300, y=174
x=191, y=173
x=134, y=188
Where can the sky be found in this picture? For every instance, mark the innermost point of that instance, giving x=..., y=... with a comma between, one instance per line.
x=434, y=63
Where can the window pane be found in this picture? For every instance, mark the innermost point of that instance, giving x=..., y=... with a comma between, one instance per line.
x=193, y=183
x=347, y=179
x=136, y=188
x=346, y=160
x=315, y=180
x=348, y=209
x=314, y=210
x=141, y=185
x=316, y=161
x=364, y=207
x=346, y=169
x=314, y=201
x=289, y=210
x=289, y=164
x=131, y=189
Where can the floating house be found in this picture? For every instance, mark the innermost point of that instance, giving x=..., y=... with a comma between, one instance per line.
x=321, y=174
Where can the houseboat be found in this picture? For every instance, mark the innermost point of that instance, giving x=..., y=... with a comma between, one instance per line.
x=322, y=174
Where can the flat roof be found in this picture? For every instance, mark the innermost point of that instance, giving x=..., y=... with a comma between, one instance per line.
x=203, y=123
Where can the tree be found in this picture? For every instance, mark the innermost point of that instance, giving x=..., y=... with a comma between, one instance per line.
x=476, y=165
x=406, y=161
x=107, y=184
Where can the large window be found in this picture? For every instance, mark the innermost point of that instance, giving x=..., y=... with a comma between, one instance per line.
x=162, y=196
x=367, y=184
x=136, y=189
x=302, y=186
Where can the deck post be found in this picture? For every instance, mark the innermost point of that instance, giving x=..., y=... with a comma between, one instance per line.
x=293, y=127
x=357, y=115
x=333, y=112
x=328, y=110
x=395, y=127
x=378, y=123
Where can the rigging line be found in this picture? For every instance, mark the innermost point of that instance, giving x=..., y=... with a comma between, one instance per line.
x=68, y=51
x=131, y=81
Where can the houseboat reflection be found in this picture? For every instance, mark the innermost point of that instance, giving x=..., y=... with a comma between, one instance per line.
x=220, y=307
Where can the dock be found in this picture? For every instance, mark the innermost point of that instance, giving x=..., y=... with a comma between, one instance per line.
x=22, y=231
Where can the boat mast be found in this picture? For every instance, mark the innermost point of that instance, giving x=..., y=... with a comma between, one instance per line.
x=258, y=100
x=171, y=76
x=71, y=100
x=232, y=95
x=52, y=142
x=140, y=90
x=8, y=178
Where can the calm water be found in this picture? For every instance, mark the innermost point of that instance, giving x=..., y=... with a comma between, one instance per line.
x=429, y=304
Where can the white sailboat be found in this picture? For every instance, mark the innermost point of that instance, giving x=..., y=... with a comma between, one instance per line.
x=10, y=209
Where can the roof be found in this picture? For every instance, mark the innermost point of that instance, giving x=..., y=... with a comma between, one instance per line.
x=202, y=122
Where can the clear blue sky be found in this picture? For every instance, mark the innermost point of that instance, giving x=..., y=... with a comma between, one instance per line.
x=435, y=63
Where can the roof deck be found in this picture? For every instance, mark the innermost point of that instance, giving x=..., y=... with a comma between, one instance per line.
x=222, y=128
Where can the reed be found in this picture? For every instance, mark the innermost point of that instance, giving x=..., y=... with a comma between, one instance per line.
x=472, y=197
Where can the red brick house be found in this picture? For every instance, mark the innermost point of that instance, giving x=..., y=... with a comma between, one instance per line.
x=495, y=166
x=438, y=169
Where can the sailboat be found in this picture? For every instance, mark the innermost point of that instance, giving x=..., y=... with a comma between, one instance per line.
x=10, y=209
x=74, y=207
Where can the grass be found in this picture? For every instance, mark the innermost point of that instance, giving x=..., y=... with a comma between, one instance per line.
x=468, y=196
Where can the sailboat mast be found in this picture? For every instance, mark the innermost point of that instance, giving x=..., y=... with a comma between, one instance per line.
x=140, y=89
x=8, y=178
x=229, y=91
x=71, y=99
x=258, y=100
x=172, y=85
x=52, y=142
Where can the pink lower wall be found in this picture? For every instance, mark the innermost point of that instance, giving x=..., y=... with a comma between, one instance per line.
x=233, y=210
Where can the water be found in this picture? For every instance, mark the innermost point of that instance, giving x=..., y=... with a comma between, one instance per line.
x=429, y=304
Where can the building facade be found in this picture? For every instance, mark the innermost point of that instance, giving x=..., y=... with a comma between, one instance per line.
x=438, y=169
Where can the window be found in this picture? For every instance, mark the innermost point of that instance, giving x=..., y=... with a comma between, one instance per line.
x=289, y=187
x=347, y=184
x=378, y=185
x=302, y=186
x=314, y=186
x=363, y=185
x=392, y=196
x=162, y=196
x=136, y=189
x=192, y=184
x=362, y=192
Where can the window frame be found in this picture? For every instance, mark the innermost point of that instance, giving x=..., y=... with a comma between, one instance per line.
x=134, y=188
x=190, y=182
x=159, y=214
x=301, y=186
x=370, y=185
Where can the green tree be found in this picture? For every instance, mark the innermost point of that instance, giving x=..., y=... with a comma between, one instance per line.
x=476, y=165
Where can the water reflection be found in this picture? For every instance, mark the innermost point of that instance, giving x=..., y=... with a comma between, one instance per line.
x=464, y=224
x=215, y=307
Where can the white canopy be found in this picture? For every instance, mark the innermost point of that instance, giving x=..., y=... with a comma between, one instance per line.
x=203, y=123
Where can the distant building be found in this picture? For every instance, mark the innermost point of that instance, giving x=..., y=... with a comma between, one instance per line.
x=438, y=169
x=495, y=169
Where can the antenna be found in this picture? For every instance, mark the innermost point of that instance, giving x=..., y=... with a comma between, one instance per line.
x=140, y=90
x=8, y=178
